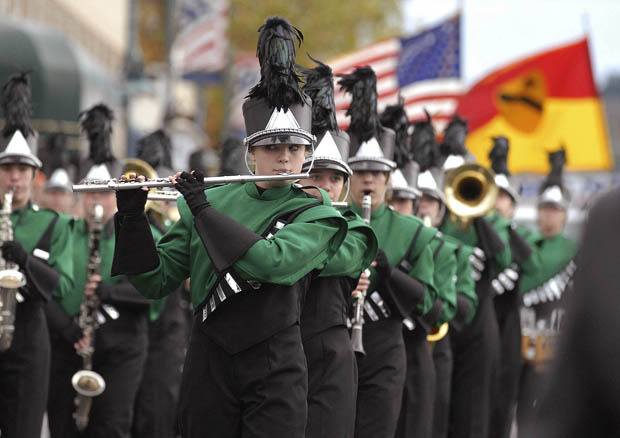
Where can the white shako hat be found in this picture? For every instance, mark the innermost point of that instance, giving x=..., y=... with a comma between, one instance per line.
x=59, y=181
x=372, y=145
x=499, y=163
x=276, y=111
x=17, y=109
x=404, y=181
x=553, y=191
x=98, y=172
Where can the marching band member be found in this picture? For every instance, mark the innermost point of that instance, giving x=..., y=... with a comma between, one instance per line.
x=416, y=416
x=332, y=370
x=476, y=347
x=251, y=250
x=401, y=281
x=119, y=334
x=506, y=285
x=38, y=242
x=543, y=290
x=156, y=403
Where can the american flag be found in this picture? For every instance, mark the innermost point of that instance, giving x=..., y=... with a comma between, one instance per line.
x=423, y=68
x=200, y=48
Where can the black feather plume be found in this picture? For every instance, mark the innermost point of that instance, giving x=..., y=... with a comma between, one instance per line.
x=279, y=79
x=424, y=144
x=320, y=88
x=395, y=118
x=557, y=160
x=499, y=155
x=362, y=85
x=16, y=105
x=454, y=138
x=155, y=149
x=96, y=123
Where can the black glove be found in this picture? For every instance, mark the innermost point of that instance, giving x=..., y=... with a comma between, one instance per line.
x=14, y=252
x=131, y=202
x=192, y=187
x=384, y=270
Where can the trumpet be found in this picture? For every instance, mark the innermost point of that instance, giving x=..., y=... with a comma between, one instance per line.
x=115, y=184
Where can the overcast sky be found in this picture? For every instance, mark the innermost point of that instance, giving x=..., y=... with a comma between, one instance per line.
x=496, y=32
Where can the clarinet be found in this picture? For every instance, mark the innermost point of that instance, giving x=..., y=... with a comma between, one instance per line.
x=357, y=324
x=10, y=279
x=86, y=382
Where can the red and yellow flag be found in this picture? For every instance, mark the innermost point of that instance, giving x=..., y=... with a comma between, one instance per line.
x=540, y=103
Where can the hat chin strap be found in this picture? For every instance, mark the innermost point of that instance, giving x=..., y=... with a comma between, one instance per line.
x=252, y=172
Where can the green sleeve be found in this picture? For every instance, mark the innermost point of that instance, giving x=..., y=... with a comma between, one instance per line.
x=156, y=306
x=293, y=252
x=355, y=254
x=173, y=268
x=61, y=255
x=444, y=279
x=423, y=271
x=533, y=264
x=465, y=284
x=503, y=258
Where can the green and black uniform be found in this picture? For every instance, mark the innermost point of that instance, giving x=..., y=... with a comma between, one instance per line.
x=24, y=367
x=404, y=290
x=170, y=320
x=542, y=297
x=120, y=345
x=525, y=262
x=475, y=348
x=245, y=372
x=332, y=370
x=466, y=302
x=416, y=415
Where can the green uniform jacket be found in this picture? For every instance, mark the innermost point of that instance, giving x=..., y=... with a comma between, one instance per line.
x=29, y=225
x=71, y=301
x=394, y=233
x=553, y=254
x=444, y=276
x=356, y=252
x=465, y=284
x=300, y=247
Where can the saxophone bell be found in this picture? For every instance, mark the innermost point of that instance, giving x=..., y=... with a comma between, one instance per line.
x=88, y=383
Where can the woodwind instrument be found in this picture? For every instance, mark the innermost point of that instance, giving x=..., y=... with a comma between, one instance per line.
x=357, y=323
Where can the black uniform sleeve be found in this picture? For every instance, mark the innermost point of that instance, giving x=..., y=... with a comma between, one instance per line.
x=407, y=291
x=41, y=278
x=123, y=294
x=61, y=324
x=134, y=248
x=225, y=240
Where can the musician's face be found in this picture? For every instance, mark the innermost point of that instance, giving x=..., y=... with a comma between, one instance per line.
x=402, y=205
x=58, y=200
x=551, y=220
x=504, y=205
x=372, y=182
x=276, y=159
x=429, y=207
x=106, y=199
x=332, y=181
x=17, y=177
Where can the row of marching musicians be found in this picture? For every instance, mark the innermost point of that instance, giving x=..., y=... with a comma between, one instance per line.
x=275, y=269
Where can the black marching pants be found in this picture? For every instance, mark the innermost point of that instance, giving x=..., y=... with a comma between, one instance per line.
x=258, y=392
x=532, y=386
x=332, y=384
x=442, y=357
x=120, y=352
x=155, y=414
x=508, y=374
x=381, y=379
x=24, y=374
x=416, y=415
x=476, y=354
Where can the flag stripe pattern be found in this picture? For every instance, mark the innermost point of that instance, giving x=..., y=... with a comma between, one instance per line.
x=423, y=68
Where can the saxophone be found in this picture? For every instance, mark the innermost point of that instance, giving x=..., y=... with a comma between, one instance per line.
x=10, y=278
x=86, y=382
